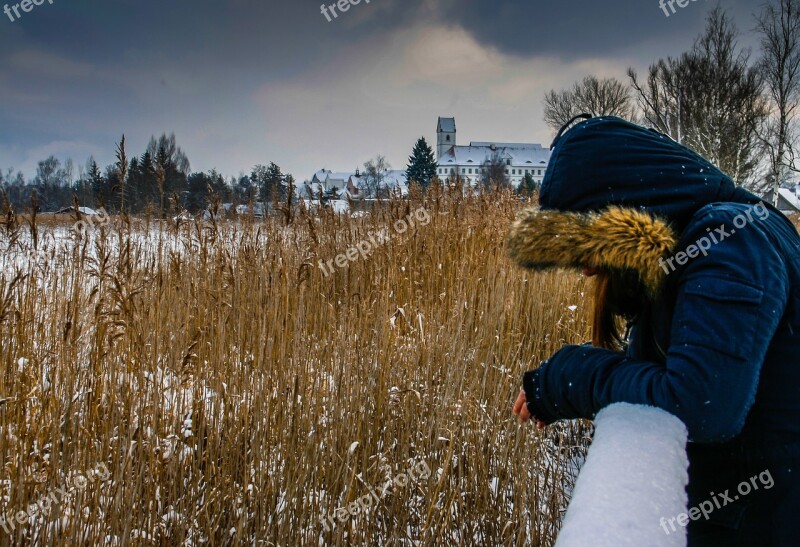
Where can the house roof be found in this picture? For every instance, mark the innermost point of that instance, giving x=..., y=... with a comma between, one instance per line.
x=312, y=189
x=342, y=175
x=788, y=200
x=391, y=179
x=395, y=177
x=790, y=197
x=83, y=210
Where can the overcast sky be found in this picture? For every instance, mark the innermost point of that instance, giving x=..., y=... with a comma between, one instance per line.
x=242, y=82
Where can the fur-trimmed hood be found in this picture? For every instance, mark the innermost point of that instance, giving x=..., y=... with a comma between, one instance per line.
x=617, y=238
x=617, y=196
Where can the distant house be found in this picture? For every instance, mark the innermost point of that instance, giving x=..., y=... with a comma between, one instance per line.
x=396, y=182
x=328, y=183
x=470, y=162
x=788, y=200
x=351, y=185
x=87, y=211
x=355, y=185
x=257, y=210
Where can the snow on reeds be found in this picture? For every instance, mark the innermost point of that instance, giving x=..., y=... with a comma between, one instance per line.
x=238, y=395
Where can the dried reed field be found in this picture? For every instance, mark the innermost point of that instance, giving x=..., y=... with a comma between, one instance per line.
x=237, y=395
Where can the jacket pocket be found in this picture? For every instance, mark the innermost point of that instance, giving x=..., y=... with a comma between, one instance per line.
x=722, y=314
x=724, y=290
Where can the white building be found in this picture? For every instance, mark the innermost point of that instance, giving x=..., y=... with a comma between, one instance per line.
x=326, y=181
x=788, y=201
x=469, y=162
x=353, y=184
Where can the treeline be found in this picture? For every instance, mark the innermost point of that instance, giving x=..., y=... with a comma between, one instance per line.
x=158, y=180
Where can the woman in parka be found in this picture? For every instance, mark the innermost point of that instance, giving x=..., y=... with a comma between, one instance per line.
x=708, y=279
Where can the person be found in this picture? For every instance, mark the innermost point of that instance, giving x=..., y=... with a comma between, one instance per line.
x=707, y=278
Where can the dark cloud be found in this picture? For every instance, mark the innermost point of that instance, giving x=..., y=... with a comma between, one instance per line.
x=576, y=28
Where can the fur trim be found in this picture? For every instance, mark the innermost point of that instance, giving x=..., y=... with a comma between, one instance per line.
x=617, y=238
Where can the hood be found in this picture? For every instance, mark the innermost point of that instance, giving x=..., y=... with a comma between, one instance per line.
x=617, y=196
x=615, y=239
x=609, y=161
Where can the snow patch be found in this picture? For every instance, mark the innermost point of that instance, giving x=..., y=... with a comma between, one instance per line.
x=635, y=474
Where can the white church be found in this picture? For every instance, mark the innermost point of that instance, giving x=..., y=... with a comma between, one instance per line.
x=469, y=162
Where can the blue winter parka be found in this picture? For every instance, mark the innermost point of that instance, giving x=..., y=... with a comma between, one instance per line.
x=718, y=344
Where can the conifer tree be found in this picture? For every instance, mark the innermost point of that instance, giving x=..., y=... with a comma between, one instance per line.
x=421, y=164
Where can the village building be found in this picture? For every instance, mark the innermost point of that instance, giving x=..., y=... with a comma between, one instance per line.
x=788, y=199
x=469, y=162
x=352, y=184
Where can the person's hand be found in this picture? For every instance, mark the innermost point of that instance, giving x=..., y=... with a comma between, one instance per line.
x=521, y=411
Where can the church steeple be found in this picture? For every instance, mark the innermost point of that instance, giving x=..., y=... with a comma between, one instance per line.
x=445, y=136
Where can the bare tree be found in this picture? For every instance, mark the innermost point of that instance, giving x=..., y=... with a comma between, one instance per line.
x=49, y=173
x=171, y=151
x=606, y=97
x=495, y=172
x=122, y=169
x=374, y=174
x=779, y=26
x=69, y=171
x=709, y=99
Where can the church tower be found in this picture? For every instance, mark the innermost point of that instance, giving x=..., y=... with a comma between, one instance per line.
x=445, y=136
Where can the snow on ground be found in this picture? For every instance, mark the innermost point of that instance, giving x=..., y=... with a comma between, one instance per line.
x=635, y=474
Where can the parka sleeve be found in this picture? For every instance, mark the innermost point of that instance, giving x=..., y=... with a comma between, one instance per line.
x=729, y=306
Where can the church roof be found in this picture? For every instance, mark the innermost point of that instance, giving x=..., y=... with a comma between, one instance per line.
x=448, y=125
x=478, y=153
x=508, y=145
